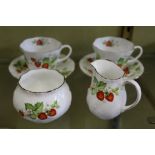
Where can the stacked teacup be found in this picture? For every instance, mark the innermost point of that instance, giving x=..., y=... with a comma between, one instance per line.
x=118, y=50
x=43, y=52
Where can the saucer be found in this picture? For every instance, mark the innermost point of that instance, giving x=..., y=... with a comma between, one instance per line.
x=18, y=67
x=132, y=71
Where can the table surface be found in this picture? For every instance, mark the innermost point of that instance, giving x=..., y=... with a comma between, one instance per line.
x=79, y=116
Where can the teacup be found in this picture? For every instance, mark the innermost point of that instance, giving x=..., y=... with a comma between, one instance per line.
x=43, y=52
x=115, y=48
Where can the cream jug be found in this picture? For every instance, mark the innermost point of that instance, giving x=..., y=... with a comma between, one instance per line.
x=106, y=96
x=42, y=96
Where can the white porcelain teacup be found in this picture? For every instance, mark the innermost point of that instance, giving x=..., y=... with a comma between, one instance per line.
x=114, y=48
x=43, y=52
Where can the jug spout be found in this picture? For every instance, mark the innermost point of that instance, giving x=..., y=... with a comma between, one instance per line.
x=107, y=69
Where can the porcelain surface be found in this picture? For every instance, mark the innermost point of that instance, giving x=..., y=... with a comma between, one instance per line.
x=106, y=96
x=44, y=52
x=113, y=47
x=18, y=67
x=132, y=70
x=42, y=96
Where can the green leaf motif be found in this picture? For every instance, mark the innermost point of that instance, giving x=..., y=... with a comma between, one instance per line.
x=121, y=61
x=33, y=116
x=46, y=60
x=55, y=104
x=101, y=84
x=95, y=80
x=93, y=91
x=28, y=106
x=20, y=65
x=115, y=90
x=38, y=107
x=53, y=60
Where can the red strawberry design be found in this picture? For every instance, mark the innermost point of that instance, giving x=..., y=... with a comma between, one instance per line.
x=39, y=42
x=21, y=113
x=42, y=116
x=110, y=97
x=126, y=70
x=52, y=112
x=33, y=59
x=37, y=64
x=100, y=95
x=108, y=43
x=45, y=65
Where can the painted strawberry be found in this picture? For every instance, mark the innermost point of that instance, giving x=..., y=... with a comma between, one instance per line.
x=100, y=95
x=45, y=65
x=39, y=42
x=126, y=70
x=108, y=43
x=52, y=112
x=90, y=60
x=42, y=116
x=37, y=64
x=33, y=59
x=110, y=97
x=21, y=113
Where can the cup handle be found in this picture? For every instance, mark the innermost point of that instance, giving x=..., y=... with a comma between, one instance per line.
x=68, y=55
x=138, y=90
x=138, y=56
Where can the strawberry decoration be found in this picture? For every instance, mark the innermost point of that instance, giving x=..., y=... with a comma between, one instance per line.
x=110, y=97
x=45, y=65
x=42, y=116
x=52, y=112
x=108, y=43
x=126, y=70
x=102, y=92
x=100, y=95
x=39, y=42
x=37, y=64
x=20, y=66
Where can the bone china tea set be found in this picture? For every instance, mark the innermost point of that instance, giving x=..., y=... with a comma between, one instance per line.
x=42, y=94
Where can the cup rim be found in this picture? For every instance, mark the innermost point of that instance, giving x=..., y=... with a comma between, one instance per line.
x=24, y=50
x=41, y=92
x=116, y=38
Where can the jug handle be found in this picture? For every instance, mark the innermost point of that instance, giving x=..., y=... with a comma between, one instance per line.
x=138, y=90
